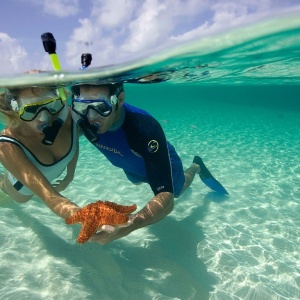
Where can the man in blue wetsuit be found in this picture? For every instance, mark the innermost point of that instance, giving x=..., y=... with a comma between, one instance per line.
x=133, y=140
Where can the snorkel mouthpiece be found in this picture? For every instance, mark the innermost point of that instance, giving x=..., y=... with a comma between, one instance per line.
x=89, y=130
x=51, y=132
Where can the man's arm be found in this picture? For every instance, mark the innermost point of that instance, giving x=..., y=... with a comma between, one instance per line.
x=151, y=144
x=156, y=209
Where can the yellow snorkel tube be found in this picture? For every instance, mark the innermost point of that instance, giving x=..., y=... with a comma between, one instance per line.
x=51, y=131
x=49, y=44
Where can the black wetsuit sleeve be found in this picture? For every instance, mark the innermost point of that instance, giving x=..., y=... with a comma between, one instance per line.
x=149, y=141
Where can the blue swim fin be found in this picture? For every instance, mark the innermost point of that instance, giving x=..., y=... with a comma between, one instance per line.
x=208, y=179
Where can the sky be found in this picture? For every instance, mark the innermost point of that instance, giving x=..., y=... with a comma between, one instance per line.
x=115, y=31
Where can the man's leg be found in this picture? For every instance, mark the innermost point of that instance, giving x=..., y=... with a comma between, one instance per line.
x=189, y=176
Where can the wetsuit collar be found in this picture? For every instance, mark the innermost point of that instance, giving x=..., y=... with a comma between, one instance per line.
x=119, y=122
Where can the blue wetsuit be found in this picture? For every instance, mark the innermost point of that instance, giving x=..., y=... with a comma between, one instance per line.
x=138, y=145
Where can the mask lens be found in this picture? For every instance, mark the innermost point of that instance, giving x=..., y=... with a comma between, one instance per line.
x=29, y=111
x=82, y=106
x=79, y=107
x=103, y=109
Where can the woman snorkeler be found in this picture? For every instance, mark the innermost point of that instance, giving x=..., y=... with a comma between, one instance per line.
x=38, y=143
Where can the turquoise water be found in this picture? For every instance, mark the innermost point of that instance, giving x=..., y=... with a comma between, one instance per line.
x=241, y=113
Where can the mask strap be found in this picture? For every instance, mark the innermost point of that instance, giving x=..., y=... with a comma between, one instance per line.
x=113, y=99
x=14, y=105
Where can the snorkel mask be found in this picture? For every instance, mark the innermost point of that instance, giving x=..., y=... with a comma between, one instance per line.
x=29, y=112
x=50, y=106
x=101, y=106
x=82, y=108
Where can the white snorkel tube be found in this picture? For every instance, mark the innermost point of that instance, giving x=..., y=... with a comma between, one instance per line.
x=51, y=131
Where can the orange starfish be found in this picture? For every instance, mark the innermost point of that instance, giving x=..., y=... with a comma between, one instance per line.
x=99, y=213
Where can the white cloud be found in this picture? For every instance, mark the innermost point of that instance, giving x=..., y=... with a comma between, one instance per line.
x=119, y=30
x=13, y=58
x=158, y=20
x=102, y=33
x=113, y=14
x=228, y=14
x=147, y=29
x=81, y=41
x=61, y=8
x=58, y=8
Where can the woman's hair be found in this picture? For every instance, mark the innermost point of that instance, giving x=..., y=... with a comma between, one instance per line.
x=35, y=90
x=7, y=115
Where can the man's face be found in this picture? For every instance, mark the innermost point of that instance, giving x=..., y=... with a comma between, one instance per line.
x=99, y=92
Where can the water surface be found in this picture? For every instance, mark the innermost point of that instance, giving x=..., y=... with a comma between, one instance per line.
x=233, y=99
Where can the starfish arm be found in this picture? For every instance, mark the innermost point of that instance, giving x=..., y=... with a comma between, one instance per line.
x=88, y=229
x=94, y=215
x=124, y=209
x=112, y=217
x=75, y=218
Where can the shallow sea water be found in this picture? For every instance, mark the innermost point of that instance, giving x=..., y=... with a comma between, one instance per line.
x=241, y=113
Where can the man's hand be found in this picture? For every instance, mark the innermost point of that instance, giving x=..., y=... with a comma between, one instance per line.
x=112, y=228
x=110, y=233
x=155, y=210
